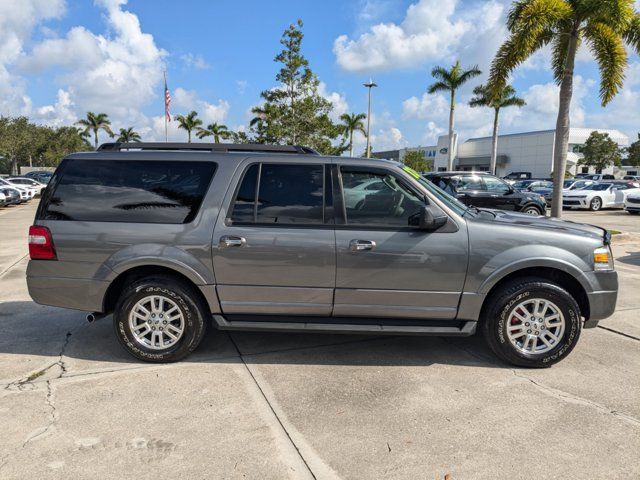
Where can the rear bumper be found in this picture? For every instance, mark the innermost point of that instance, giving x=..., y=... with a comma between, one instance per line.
x=68, y=292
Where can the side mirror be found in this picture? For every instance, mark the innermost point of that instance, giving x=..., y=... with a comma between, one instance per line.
x=428, y=220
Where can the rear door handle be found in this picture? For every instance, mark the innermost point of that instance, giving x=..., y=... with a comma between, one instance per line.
x=232, y=241
x=360, y=245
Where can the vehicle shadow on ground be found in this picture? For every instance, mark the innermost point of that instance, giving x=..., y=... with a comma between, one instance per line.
x=632, y=258
x=35, y=330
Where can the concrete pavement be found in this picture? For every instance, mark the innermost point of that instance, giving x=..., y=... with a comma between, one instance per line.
x=73, y=404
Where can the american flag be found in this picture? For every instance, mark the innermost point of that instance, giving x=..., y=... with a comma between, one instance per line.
x=167, y=101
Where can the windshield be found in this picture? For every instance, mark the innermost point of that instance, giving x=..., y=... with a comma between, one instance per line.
x=451, y=202
x=567, y=183
x=522, y=184
x=599, y=187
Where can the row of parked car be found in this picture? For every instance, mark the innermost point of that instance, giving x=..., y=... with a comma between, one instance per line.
x=533, y=195
x=16, y=190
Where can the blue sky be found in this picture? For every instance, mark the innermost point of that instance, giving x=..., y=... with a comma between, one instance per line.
x=60, y=58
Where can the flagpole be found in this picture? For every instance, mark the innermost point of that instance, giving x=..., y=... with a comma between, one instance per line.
x=166, y=134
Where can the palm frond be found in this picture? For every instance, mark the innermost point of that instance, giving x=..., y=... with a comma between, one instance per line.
x=441, y=74
x=632, y=34
x=608, y=49
x=439, y=87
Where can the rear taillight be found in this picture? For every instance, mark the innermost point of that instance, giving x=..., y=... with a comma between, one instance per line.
x=41, y=244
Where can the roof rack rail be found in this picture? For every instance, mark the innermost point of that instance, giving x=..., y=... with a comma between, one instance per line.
x=209, y=147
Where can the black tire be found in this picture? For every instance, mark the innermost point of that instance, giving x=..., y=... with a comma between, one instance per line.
x=499, y=309
x=189, y=303
x=530, y=209
x=595, y=204
x=633, y=212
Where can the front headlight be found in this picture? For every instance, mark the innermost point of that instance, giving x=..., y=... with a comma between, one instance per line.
x=602, y=259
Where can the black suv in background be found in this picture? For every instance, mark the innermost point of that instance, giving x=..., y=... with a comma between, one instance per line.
x=486, y=191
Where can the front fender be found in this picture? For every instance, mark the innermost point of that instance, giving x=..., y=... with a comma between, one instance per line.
x=530, y=256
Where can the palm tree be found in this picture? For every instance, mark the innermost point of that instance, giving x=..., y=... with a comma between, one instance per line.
x=506, y=98
x=128, y=135
x=189, y=122
x=351, y=123
x=604, y=26
x=95, y=122
x=215, y=130
x=450, y=81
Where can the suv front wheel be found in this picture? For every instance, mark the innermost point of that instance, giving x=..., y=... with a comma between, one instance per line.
x=159, y=319
x=532, y=322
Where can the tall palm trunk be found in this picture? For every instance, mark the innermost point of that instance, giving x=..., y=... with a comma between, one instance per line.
x=189, y=135
x=494, y=142
x=561, y=144
x=351, y=143
x=95, y=137
x=451, y=117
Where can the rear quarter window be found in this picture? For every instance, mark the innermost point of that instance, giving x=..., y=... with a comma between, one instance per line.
x=140, y=191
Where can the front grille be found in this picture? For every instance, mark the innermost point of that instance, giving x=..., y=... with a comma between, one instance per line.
x=571, y=202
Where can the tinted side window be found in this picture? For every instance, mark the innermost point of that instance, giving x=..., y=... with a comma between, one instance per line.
x=290, y=194
x=245, y=201
x=391, y=204
x=495, y=185
x=130, y=191
x=287, y=194
x=471, y=182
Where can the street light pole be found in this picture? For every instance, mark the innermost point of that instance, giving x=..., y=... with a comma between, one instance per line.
x=369, y=85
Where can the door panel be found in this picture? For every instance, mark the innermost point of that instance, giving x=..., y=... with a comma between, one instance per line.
x=404, y=272
x=263, y=261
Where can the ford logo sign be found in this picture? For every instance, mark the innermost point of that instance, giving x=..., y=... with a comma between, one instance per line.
x=444, y=150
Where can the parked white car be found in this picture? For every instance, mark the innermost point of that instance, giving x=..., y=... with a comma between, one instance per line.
x=599, y=195
x=27, y=183
x=576, y=184
x=25, y=193
x=632, y=203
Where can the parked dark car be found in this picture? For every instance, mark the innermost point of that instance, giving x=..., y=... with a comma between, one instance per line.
x=518, y=176
x=41, y=176
x=532, y=184
x=487, y=191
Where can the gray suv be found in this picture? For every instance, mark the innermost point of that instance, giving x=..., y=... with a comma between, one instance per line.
x=172, y=237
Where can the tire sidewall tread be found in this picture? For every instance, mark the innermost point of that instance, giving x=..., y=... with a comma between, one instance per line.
x=186, y=299
x=496, y=316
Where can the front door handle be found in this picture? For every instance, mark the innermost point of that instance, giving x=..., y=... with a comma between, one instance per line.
x=232, y=241
x=360, y=245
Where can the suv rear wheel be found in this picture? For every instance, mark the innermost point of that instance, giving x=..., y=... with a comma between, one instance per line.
x=159, y=319
x=532, y=322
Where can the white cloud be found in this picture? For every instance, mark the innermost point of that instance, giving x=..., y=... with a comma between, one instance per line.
x=340, y=105
x=59, y=114
x=17, y=21
x=183, y=101
x=241, y=86
x=431, y=30
x=195, y=61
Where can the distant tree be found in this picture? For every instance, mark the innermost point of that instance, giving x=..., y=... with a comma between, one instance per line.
x=294, y=112
x=351, y=123
x=600, y=151
x=241, y=137
x=633, y=153
x=484, y=97
x=24, y=143
x=415, y=159
x=602, y=26
x=128, y=135
x=215, y=130
x=189, y=123
x=94, y=123
x=450, y=81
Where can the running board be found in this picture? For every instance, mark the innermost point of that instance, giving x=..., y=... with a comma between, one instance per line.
x=462, y=329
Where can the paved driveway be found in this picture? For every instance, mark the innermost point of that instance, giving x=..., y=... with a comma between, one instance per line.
x=265, y=406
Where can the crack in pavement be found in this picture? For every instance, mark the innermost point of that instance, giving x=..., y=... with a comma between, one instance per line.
x=571, y=398
x=618, y=332
x=6, y=270
x=49, y=399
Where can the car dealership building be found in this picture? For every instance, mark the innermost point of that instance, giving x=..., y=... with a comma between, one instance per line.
x=517, y=152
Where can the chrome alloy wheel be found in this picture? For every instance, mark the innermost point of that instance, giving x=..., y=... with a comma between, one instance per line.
x=535, y=326
x=531, y=211
x=156, y=322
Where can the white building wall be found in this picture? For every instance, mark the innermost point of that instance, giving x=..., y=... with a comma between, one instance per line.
x=527, y=152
